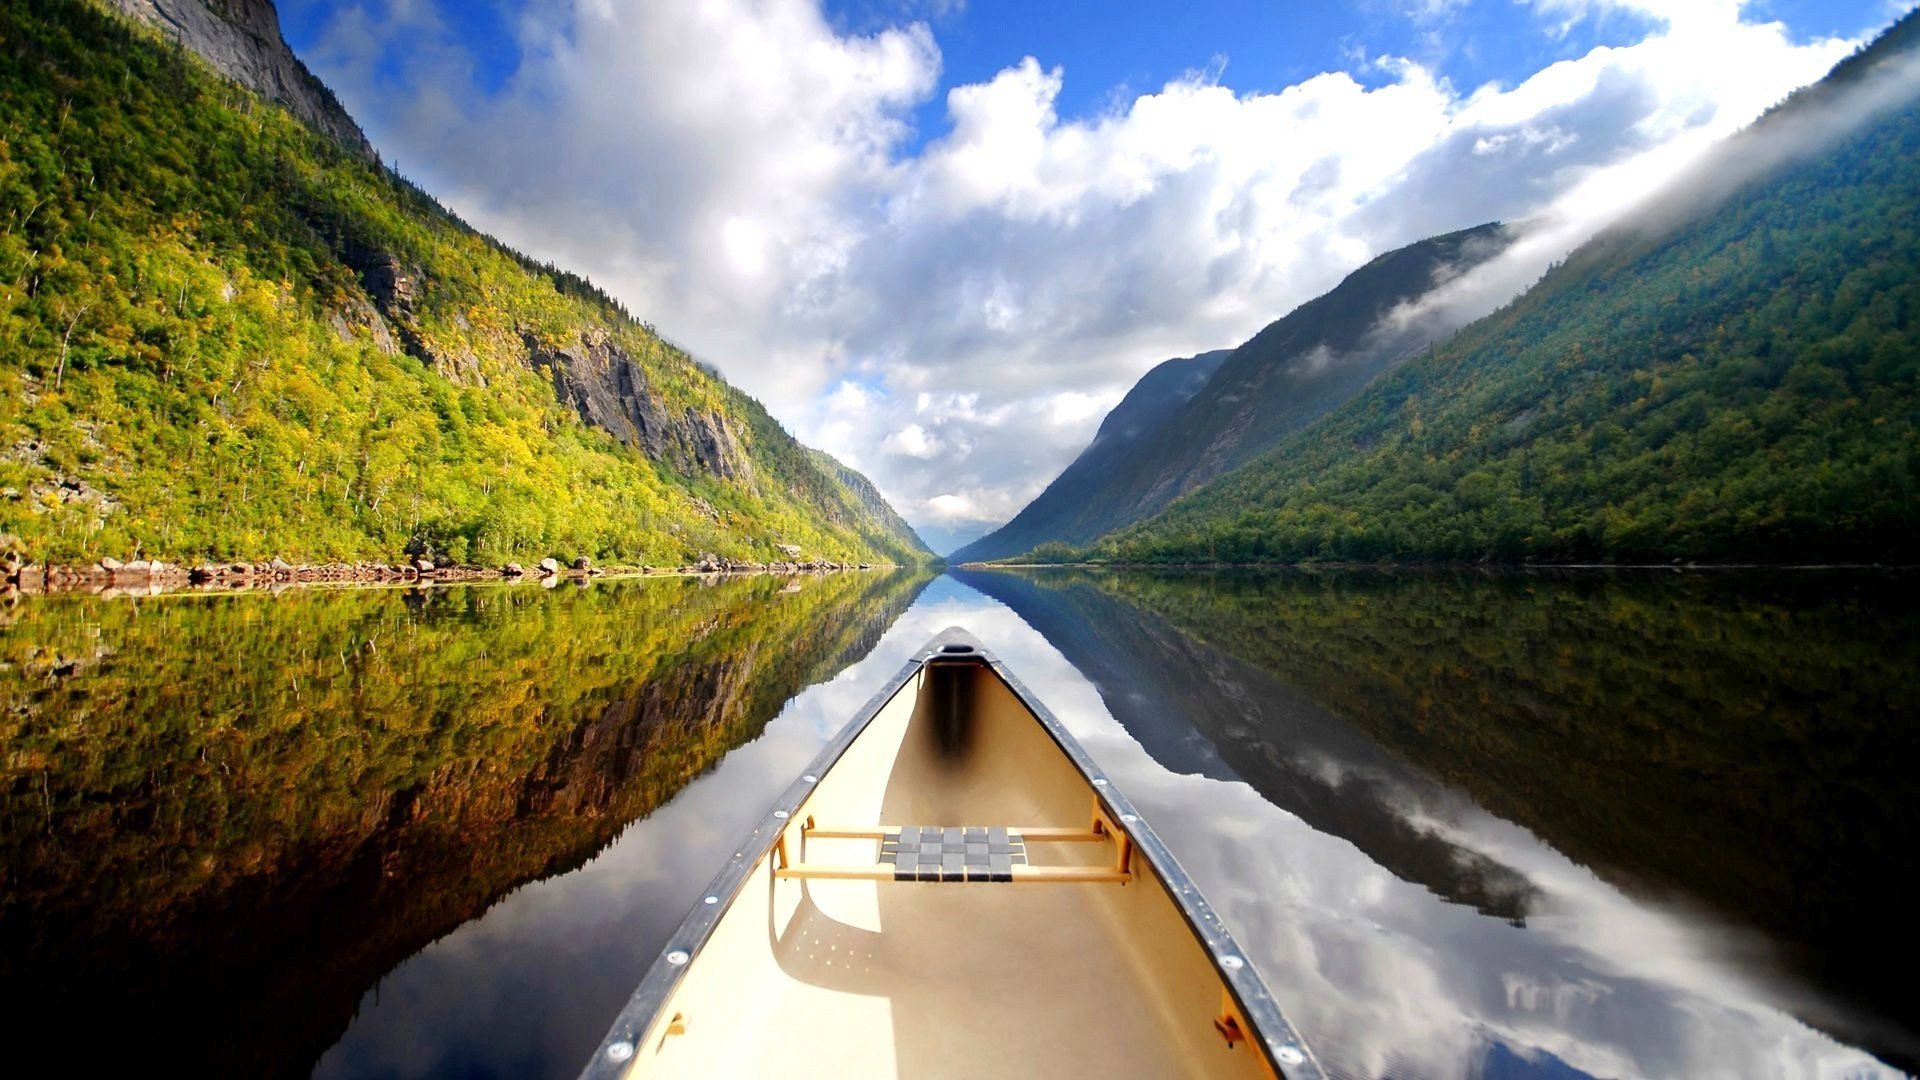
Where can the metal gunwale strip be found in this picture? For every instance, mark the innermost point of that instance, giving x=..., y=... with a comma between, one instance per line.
x=1277, y=1034
x=1249, y=990
x=663, y=977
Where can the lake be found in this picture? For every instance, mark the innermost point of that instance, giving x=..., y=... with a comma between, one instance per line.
x=1468, y=824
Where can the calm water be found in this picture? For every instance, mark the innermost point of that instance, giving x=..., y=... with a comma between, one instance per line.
x=1469, y=825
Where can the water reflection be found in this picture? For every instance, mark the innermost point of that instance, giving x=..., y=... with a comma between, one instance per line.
x=1467, y=825
x=226, y=817
x=1697, y=784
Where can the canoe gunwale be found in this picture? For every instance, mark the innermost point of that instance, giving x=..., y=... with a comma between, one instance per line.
x=1257, y=1005
x=663, y=977
x=1280, y=1043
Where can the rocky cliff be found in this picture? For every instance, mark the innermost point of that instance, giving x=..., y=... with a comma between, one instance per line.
x=608, y=388
x=862, y=491
x=241, y=40
x=238, y=340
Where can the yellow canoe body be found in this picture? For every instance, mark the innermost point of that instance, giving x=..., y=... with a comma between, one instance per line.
x=952, y=889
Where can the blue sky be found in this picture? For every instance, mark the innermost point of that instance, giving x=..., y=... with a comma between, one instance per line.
x=1111, y=48
x=942, y=261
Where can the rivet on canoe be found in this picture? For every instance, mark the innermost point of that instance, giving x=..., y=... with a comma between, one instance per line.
x=1129, y=818
x=1099, y=781
x=810, y=778
x=709, y=899
x=1287, y=1055
x=1232, y=963
x=678, y=957
x=781, y=814
x=620, y=1051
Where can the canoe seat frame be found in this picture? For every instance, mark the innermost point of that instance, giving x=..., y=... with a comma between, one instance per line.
x=1101, y=829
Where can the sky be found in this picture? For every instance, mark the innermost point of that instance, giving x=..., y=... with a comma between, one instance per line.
x=941, y=238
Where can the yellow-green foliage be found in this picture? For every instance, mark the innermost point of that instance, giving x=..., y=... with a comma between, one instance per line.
x=189, y=364
x=250, y=807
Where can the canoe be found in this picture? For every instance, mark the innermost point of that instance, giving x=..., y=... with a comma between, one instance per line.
x=952, y=888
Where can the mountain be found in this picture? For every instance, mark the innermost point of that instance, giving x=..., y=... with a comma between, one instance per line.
x=1728, y=374
x=1362, y=702
x=1137, y=420
x=1285, y=376
x=241, y=40
x=861, y=494
x=226, y=331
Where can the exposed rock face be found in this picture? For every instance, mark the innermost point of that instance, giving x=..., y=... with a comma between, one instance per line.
x=395, y=288
x=360, y=316
x=864, y=492
x=390, y=284
x=608, y=388
x=408, y=302
x=241, y=39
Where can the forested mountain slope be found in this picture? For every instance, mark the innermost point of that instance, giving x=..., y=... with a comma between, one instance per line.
x=1728, y=375
x=1293, y=371
x=225, y=334
x=1136, y=421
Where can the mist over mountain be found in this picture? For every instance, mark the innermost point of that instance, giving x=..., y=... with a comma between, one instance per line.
x=1180, y=427
x=1729, y=373
x=228, y=332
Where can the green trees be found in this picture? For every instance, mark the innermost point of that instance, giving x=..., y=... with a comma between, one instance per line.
x=190, y=364
x=1741, y=386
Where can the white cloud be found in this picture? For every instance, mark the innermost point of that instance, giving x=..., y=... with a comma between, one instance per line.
x=913, y=441
x=951, y=508
x=952, y=320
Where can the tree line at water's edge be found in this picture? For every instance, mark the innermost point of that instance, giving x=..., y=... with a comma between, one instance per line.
x=1739, y=386
x=223, y=335
x=244, y=811
x=1736, y=739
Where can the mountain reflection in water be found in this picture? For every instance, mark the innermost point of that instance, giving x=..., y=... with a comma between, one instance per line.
x=226, y=817
x=1467, y=825
x=1731, y=750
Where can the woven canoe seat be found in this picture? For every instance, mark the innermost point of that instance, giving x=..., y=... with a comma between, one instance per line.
x=957, y=853
x=953, y=852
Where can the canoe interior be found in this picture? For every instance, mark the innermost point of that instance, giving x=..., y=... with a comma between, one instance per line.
x=846, y=978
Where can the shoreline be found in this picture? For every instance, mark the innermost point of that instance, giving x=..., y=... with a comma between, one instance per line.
x=1441, y=564
x=154, y=578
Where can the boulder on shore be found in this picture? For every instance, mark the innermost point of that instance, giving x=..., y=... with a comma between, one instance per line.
x=549, y=566
x=582, y=562
x=425, y=566
x=110, y=564
x=513, y=569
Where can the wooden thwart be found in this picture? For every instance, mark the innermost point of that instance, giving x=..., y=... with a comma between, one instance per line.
x=1029, y=874
x=1100, y=829
x=881, y=832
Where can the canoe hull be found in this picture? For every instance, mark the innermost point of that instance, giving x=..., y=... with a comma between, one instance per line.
x=1059, y=937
